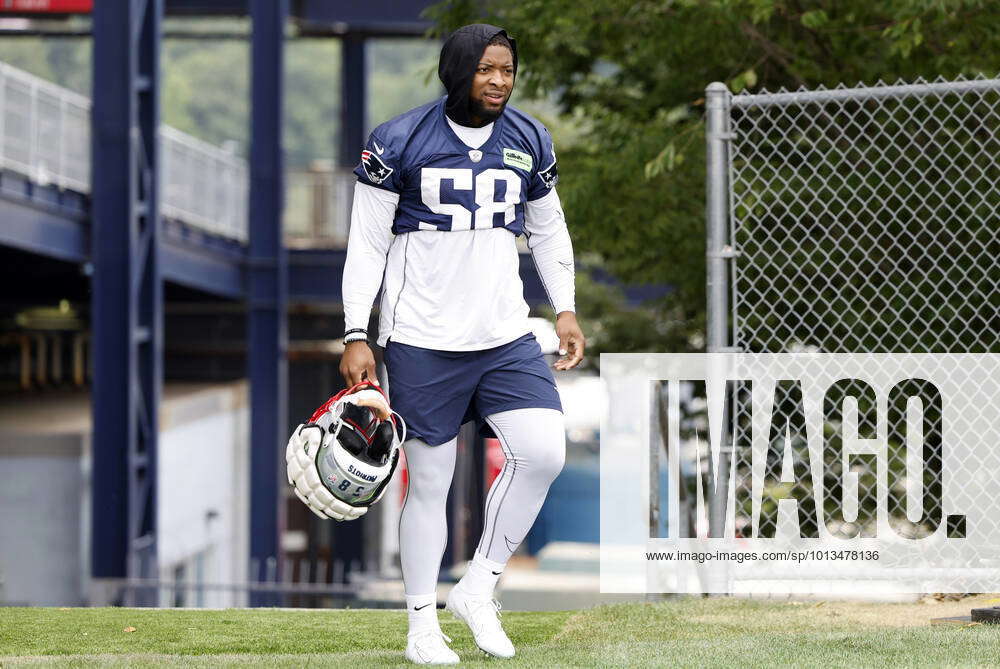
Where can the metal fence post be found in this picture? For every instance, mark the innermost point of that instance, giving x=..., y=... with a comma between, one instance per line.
x=718, y=254
x=717, y=136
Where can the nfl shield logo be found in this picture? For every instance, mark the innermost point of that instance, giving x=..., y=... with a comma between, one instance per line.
x=476, y=156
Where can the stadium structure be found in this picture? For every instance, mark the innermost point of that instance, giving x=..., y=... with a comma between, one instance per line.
x=161, y=337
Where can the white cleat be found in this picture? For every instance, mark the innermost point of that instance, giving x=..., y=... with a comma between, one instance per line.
x=483, y=618
x=429, y=647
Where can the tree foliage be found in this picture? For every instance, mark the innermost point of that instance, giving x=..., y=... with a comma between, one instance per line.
x=628, y=79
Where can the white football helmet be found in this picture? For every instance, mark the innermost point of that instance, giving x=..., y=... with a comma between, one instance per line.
x=340, y=462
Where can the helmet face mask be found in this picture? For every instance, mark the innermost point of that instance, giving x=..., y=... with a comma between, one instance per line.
x=381, y=447
x=364, y=436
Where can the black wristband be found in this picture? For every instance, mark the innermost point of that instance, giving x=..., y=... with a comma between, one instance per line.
x=355, y=334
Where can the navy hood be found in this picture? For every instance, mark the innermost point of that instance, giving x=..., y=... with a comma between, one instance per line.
x=459, y=56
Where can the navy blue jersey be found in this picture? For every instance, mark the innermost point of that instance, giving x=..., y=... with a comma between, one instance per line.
x=445, y=185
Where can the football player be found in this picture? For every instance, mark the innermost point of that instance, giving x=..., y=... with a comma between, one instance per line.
x=443, y=191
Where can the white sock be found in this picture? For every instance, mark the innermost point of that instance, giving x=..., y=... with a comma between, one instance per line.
x=481, y=577
x=422, y=610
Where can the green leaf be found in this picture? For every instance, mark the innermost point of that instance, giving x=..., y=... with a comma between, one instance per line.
x=747, y=79
x=817, y=18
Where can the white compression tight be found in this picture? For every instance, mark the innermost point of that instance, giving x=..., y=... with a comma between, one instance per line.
x=534, y=443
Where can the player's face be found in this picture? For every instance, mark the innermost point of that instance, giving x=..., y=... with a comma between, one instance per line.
x=492, y=84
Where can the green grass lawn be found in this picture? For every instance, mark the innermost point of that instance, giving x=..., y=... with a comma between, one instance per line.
x=677, y=633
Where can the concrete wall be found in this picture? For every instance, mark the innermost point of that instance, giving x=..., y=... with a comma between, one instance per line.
x=42, y=546
x=202, y=510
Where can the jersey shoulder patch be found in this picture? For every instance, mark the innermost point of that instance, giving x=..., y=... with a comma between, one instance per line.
x=550, y=174
x=373, y=164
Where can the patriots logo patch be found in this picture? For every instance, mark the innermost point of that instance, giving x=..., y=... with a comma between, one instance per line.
x=550, y=175
x=376, y=170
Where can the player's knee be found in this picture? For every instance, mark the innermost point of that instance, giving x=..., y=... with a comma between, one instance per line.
x=428, y=483
x=429, y=470
x=549, y=455
x=551, y=459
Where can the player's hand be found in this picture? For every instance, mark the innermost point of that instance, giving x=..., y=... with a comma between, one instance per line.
x=571, y=341
x=357, y=363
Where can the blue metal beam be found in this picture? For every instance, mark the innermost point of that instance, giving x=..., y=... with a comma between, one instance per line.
x=127, y=297
x=206, y=7
x=267, y=272
x=211, y=264
x=43, y=219
x=383, y=18
x=353, y=100
x=314, y=275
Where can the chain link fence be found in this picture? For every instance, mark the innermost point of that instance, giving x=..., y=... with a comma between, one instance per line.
x=855, y=220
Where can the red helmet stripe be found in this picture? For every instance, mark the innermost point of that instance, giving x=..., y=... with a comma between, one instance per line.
x=347, y=391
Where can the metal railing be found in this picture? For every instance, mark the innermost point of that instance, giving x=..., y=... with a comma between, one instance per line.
x=301, y=584
x=318, y=206
x=45, y=135
x=855, y=220
x=45, y=132
x=203, y=185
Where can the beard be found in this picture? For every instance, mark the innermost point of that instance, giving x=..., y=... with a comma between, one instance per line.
x=478, y=110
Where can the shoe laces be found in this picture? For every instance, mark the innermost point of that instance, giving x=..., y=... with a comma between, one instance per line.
x=493, y=606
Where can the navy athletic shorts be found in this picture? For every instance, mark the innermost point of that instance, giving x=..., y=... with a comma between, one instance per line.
x=436, y=391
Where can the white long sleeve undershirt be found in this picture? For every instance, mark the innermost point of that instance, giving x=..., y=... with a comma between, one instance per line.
x=369, y=239
x=551, y=249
